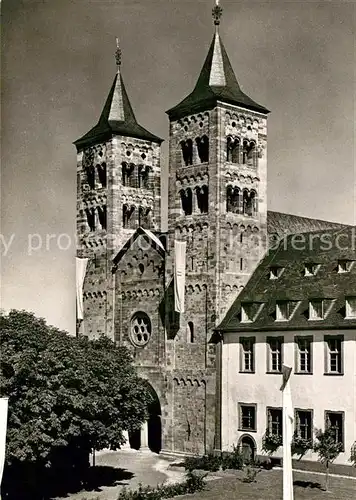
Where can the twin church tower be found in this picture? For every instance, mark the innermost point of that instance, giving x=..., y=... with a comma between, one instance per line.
x=216, y=204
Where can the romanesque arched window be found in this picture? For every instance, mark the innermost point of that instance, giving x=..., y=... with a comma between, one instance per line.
x=202, y=193
x=251, y=156
x=143, y=176
x=128, y=219
x=187, y=151
x=102, y=216
x=90, y=213
x=187, y=201
x=190, y=332
x=144, y=217
x=250, y=203
x=245, y=147
x=101, y=169
x=233, y=150
x=128, y=174
x=203, y=148
x=90, y=174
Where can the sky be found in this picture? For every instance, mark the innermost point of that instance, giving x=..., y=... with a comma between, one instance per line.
x=294, y=57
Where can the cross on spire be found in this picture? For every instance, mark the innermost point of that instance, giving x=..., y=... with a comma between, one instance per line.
x=118, y=53
x=217, y=13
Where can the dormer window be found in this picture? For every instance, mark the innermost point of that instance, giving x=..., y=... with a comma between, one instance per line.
x=344, y=266
x=282, y=310
x=275, y=272
x=250, y=311
x=350, y=307
x=311, y=269
x=316, y=309
x=247, y=314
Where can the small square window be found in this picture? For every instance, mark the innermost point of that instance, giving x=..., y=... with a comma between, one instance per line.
x=334, y=354
x=275, y=354
x=247, y=354
x=316, y=309
x=335, y=420
x=304, y=424
x=350, y=307
x=303, y=354
x=344, y=266
x=247, y=417
x=311, y=269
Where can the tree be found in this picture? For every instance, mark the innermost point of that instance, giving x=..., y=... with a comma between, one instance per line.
x=327, y=448
x=67, y=395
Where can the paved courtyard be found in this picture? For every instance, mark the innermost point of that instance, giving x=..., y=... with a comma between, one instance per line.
x=115, y=470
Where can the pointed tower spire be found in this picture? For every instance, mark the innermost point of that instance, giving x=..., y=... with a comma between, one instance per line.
x=216, y=82
x=117, y=117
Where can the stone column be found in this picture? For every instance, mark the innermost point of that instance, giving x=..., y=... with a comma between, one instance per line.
x=126, y=446
x=144, y=437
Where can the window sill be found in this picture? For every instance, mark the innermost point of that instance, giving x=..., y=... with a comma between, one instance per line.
x=241, y=429
x=248, y=371
x=273, y=372
x=303, y=373
x=332, y=374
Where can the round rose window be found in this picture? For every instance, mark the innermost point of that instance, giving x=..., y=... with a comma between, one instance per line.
x=140, y=329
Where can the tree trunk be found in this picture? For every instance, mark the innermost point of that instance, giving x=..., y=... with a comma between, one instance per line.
x=327, y=477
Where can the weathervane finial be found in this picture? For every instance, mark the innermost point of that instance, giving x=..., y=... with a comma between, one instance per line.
x=217, y=12
x=118, y=53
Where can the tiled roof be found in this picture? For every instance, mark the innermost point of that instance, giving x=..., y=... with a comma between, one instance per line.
x=324, y=248
x=283, y=224
x=217, y=82
x=117, y=118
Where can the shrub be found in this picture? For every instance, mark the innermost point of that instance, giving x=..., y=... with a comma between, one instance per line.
x=353, y=454
x=301, y=445
x=193, y=483
x=250, y=476
x=264, y=463
x=271, y=443
x=234, y=460
x=208, y=462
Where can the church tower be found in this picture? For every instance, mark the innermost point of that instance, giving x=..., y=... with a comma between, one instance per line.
x=118, y=190
x=218, y=205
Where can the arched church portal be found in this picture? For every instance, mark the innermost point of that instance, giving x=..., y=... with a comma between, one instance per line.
x=150, y=435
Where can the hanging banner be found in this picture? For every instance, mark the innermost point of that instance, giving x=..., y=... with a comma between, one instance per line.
x=288, y=428
x=179, y=275
x=81, y=268
x=3, y=427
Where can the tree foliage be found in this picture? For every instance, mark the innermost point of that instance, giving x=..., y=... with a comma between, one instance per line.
x=327, y=448
x=65, y=392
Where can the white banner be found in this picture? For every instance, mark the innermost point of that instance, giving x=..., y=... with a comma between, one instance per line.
x=179, y=275
x=81, y=268
x=288, y=428
x=3, y=427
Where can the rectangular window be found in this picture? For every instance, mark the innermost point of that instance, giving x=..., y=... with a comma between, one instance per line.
x=247, y=354
x=304, y=423
x=350, y=307
x=334, y=354
x=335, y=420
x=274, y=352
x=274, y=419
x=247, y=417
x=304, y=354
x=316, y=309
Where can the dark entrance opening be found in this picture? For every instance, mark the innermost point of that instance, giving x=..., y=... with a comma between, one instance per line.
x=154, y=423
x=248, y=449
x=135, y=439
